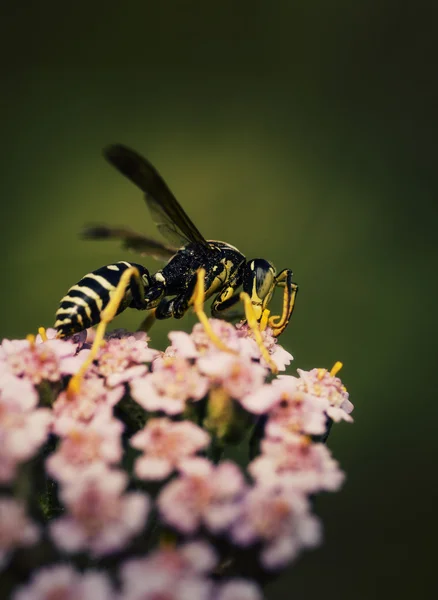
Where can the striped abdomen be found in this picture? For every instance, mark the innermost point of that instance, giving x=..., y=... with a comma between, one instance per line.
x=84, y=302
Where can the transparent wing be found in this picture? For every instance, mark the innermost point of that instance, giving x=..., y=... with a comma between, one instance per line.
x=167, y=213
x=130, y=240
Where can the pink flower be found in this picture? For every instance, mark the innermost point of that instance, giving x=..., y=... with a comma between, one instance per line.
x=194, y=557
x=203, y=493
x=182, y=345
x=16, y=529
x=199, y=343
x=119, y=354
x=306, y=466
x=17, y=394
x=101, y=519
x=51, y=334
x=323, y=384
x=83, y=444
x=78, y=339
x=279, y=355
x=172, y=382
x=37, y=362
x=62, y=582
x=278, y=518
x=23, y=428
x=165, y=443
x=159, y=585
x=238, y=589
x=261, y=400
x=91, y=398
x=237, y=375
x=134, y=372
x=292, y=410
x=173, y=573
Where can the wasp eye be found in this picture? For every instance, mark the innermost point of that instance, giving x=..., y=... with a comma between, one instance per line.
x=259, y=279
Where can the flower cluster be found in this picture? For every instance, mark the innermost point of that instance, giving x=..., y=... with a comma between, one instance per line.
x=127, y=467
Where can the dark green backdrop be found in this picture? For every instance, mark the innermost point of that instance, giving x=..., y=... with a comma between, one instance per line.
x=302, y=132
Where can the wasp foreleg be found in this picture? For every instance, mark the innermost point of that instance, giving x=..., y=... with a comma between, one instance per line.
x=284, y=279
x=198, y=299
x=254, y=325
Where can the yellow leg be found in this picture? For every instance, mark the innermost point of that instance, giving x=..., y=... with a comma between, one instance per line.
x=264, y=321
x=336, y=368
x=148, y=321
x=198, y=305
x=106, y=316
x=31, y=339
x=278, y=324
x=43, y=334
x=255, y=328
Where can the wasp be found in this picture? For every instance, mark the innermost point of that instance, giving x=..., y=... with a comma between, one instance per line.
x=196, y=268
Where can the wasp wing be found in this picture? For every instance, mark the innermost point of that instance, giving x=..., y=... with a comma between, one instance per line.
x=130, y=240
x=167, y=213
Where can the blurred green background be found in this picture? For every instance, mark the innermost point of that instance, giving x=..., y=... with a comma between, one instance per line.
x=301, y=132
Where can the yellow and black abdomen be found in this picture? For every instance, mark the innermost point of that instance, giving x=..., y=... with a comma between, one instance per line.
x=84, y=302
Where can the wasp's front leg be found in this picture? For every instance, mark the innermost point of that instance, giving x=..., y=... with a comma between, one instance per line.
x=279, y=323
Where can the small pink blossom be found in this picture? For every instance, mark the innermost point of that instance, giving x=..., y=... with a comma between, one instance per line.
x=62, y=582
x=78, y=339
x=237, y=375
x=292, y=410
x=134, y=372
x=277, y=517
x=278, y=354
x=195, y=557
x=119, y=354
x=165, y=443
x=261, y=400
x=203, y=493
x=91, y=398
x=16, y=393
x=199, y=343
x=171, y=573
x=159, y=585
x=23, y=428
x=37, y=362
x=172, y=382
x=238, y=589
x=101, y=518
x=16, y=529
x=307, y=466
x=321, y=383
x=182, y=345
x=51, y=334
x=83, y=444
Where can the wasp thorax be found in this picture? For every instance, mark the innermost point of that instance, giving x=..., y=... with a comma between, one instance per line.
x=259, y=283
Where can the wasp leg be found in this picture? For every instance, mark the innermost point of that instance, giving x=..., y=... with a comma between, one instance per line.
x=253, y=324
x=148, y=321
x=130, y=277
x=197, y=299
x=221, y=309
x=227, y=299
x=284, y=279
